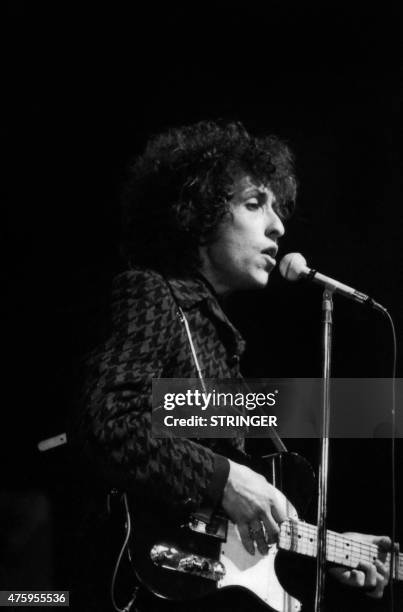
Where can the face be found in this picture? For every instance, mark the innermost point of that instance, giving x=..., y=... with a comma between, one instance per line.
x=243, y=251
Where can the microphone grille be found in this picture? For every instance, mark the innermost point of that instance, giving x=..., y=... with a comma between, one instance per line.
x=292, y=266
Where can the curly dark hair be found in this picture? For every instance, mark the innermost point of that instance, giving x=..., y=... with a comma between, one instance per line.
x=179, y=189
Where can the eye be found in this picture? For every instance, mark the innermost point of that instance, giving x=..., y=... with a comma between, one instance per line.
x=252, y=204
x=282, y=211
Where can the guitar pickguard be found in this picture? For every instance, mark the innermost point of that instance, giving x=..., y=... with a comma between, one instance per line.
x=255, y=572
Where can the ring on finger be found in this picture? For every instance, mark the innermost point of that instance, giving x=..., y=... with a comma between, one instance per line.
x=254, y=531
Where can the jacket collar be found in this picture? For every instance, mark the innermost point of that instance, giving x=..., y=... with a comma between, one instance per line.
x=195, y=290
x=191, y=291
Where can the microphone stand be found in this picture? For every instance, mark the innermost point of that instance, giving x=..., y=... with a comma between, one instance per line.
x=327, y=309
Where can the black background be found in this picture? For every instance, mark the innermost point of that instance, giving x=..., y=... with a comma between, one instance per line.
x=87, y=85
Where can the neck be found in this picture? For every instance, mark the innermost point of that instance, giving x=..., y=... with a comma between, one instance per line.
x=219, y=286
x=301, y=538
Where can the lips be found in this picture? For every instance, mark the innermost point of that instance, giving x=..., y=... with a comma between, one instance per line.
x=269, y=259
x=270, y=253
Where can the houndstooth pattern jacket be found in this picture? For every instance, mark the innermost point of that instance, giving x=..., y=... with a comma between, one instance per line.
x=147, y=340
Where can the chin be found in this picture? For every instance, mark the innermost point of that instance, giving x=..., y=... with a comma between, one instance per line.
x=260, y=280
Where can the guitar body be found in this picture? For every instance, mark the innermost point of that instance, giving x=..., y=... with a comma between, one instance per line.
x=203, y=555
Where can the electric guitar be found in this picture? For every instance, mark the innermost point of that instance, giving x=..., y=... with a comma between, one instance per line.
x=190, y=559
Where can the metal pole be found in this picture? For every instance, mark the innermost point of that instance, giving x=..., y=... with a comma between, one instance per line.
x=327, y=308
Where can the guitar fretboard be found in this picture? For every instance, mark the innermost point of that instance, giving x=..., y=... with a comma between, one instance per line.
x=301, y=538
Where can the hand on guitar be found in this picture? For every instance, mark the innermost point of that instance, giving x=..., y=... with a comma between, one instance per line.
x=255, y=506
x=371, y=577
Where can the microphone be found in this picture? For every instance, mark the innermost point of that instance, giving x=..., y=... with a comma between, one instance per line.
x=293, y=267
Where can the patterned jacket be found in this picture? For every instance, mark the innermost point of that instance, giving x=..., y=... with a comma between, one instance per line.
x=147, y=340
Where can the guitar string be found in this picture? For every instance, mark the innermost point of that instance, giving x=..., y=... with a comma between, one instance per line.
x=370, y=550
x=363, y=548
x=337, y=551
x=338, y=544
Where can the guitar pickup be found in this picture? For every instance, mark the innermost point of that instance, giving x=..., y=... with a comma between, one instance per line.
x=172, y=558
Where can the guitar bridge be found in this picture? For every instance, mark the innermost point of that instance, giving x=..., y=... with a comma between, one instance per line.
x=174, y=559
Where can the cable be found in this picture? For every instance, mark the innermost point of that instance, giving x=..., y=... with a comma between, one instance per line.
x=128, y=526
x=393, y=460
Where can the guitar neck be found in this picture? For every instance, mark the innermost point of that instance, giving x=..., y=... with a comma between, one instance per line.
x=301, y=538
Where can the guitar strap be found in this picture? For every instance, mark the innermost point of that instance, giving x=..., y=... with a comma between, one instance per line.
x=277, y=441
x=182, y=318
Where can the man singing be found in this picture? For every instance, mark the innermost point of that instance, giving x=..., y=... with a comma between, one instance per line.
x=203, y=213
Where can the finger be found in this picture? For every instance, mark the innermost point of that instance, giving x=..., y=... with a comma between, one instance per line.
x=340, y=574
x=370, y=574
x=377, y=591
x=383, y=542
x=280, y=509
x=381, y=582
x=257, y=533
x=271, y=528
x=351, y=578
x=375, y=582
x=247, y=542
x=357, y=578
x=382, y=569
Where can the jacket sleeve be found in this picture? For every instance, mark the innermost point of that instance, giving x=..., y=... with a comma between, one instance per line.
x=116, y=408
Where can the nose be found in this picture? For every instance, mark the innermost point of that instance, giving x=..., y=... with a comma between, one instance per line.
x=274, y=228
